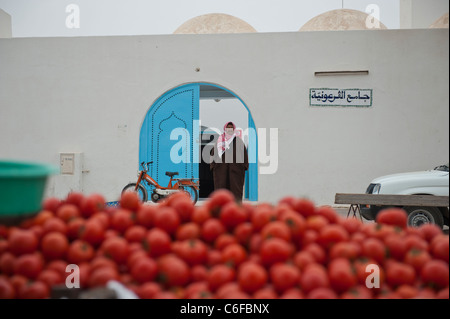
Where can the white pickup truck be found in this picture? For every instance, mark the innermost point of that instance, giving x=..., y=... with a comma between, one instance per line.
x=430, y=182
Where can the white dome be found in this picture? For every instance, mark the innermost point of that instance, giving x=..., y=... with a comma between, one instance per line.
x=340, y=19
x=441, y=23
x=214, y=23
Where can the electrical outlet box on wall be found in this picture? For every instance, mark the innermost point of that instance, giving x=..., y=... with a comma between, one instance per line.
x=70, y=178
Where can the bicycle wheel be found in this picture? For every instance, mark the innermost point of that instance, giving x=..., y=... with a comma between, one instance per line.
x=141, y=191
x=193, y=193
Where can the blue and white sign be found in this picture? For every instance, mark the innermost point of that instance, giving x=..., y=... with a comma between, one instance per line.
x=340, y=97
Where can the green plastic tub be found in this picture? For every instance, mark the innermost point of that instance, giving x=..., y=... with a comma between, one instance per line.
x=22, y=187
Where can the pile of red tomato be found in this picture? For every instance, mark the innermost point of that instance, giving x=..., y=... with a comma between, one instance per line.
x=222, y=250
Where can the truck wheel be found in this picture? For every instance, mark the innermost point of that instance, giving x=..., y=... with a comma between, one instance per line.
x=418, y=216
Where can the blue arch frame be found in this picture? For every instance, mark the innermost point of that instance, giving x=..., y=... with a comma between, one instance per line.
x=251, y=175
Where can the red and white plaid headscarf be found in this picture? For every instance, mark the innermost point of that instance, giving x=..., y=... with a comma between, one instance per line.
x=225, y=139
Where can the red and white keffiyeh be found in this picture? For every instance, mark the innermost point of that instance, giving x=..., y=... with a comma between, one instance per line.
x=225, y=139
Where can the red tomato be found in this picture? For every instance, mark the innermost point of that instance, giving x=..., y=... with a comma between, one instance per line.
x=316, y=223
x=167, y=219
x=318, y=252
x=7, y=260
x=234, y=254
x=218, y=199
x=54, y=224
x=232, y=215
x=157, y=242
x=130, y=201
x=305, y=207
x=173, y=271
x=116, y=248
x=66, y=212
x=225, y=289
x=265, y=293
x=219, y=275
x=322, y=293
x=255, y=242
x=101, y=276
x=50, y=277
x=429, y=231
x=200, y=214
x=314, y=276
x=275, y=250
x=224, y=240
x=73, y=228
x=34, y=290
x=214, y=257
x=22, y=241
x=407, y=291
x=349, y=250
x=308, y=237
x=435, y=273
x=393, y=216
x=396, y=246
x=398, y=273
x=54, y=245
x=188, y=230
x=92, y=204
x=42, y=216
x=417, y=258
x=329, y=213
x=80, y=251
x=144, y=270
x=58, y=265
x=122, y=219
x=439, y=247
x=199, y=273
x=51, y=204
x=443, y=294
x=414, y=241
x=262, y=215
x=295, y=222
x=193, y=251
x=252, y=277
x=357, y=292
x=4, y=246
x=332, y=234
x=135, y=256
x=74, y=198
x=243, y=232
x=276, y=229
x=144, y=215
x=7, y=290
x=293, y=293
x=284, y=276
x=103, y=217
x=341, y=275
x=28, y=265
x=351, y=225
x=211, y=229
x=196, y=289
x=148, y=290
x=374, y=248
x=92, y=231
x=135, y=234
x=184, y=207
x=302, y=258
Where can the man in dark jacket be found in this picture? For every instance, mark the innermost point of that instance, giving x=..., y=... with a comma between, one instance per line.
x=229, y=162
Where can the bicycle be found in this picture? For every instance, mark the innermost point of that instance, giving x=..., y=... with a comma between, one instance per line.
x=188, y=185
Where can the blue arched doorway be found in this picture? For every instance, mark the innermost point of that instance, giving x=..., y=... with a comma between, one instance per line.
x=171, y=136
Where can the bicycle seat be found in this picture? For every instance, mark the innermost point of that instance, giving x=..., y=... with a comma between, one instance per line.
x=171, y=174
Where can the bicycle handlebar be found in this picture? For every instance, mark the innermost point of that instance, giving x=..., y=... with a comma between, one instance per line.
x=142, y=164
